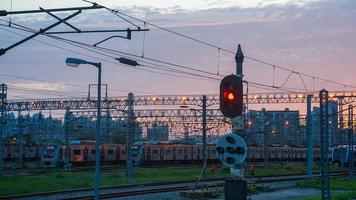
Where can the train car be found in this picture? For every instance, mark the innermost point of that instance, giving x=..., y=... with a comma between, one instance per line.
x=29, y=152
x=341, y=154
x=83, y=152
x=32, y=152
x=175, y=153
x=51, y=155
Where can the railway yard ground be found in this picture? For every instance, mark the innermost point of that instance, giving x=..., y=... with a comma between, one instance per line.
x=56, y=180
x=275, y=187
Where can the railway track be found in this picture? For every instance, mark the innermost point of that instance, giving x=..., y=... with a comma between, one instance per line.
x=103, y=169
x=158, y=187
x=117, y=168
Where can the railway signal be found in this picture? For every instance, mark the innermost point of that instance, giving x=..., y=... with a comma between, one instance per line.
x=231, y=96
x=231, y=150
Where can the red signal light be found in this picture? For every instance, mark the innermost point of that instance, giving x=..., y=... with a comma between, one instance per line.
x=229, y=96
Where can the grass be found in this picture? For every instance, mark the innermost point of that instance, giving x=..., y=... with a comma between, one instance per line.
x=347, y=185
x=20, y=184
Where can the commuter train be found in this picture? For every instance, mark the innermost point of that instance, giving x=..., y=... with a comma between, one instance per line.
x=341, y=154
x=29, y=152
x=160, y=153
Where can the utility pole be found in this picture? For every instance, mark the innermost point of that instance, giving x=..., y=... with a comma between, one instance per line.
x=66, y=139
x=265, y=143
x=130, y=133
x=309, y=139
x=204, y=134
x=324, y=145
x=341, y=129
x=3, y=96
x=351, y=141
x=20, y=138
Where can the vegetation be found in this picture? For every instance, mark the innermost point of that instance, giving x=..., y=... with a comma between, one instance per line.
x=20, y=184
x=344, y=188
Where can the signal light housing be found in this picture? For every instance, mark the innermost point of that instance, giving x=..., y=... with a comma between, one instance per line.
x=231, y=96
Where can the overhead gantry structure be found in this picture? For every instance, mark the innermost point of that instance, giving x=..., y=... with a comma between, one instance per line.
x=183, y=101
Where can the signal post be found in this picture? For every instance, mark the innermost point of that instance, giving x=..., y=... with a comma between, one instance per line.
x=231, y=148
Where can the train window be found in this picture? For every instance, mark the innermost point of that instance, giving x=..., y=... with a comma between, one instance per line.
x=92, y=151
x=168, y=151
x=154, y=151
x=180, y=151
x=110, y=151
x=76, y=152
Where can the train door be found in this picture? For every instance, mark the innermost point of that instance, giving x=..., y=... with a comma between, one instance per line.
x=85, y=153
x=148, y=153
x=161, y=154
x=154, y=154
x=102, y=153
x=117, y=153
x=174, y=153
x=198, y=154
x=185, y=153
x=37, y=152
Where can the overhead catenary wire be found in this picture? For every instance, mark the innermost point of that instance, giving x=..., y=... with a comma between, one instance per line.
x=88, y=45
x=175, y=71
x=84, y=44
x=52, y=92
x=117, y=12
x=72, y=42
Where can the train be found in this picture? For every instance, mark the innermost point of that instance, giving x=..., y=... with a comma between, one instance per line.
x=29, y=152
x=82, y=153
x=342, y=154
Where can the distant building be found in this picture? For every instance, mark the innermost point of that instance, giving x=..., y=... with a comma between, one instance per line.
x=282, y=127
x=158, y=133
x=333, y=124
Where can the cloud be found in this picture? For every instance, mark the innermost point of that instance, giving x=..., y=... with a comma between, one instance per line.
x=40, y=86
x=316, y=38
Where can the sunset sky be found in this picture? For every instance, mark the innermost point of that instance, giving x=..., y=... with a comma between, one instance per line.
x=316, y=37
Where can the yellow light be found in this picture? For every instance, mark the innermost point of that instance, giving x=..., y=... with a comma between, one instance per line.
x=154, y=98
x=230, y=96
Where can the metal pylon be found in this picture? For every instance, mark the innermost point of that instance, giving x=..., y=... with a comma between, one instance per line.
x=351, y=141
x=3, y=96
x=324, y=145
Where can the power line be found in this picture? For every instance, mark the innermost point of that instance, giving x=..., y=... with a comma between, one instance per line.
x=24, y=28
x=176, y=71
x=106, y=49
x=52, y=92
x=117, y=12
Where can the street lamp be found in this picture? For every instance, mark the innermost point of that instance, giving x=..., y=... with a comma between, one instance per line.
x=75, y=62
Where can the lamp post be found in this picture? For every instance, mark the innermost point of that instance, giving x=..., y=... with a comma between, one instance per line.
x=75, y=62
